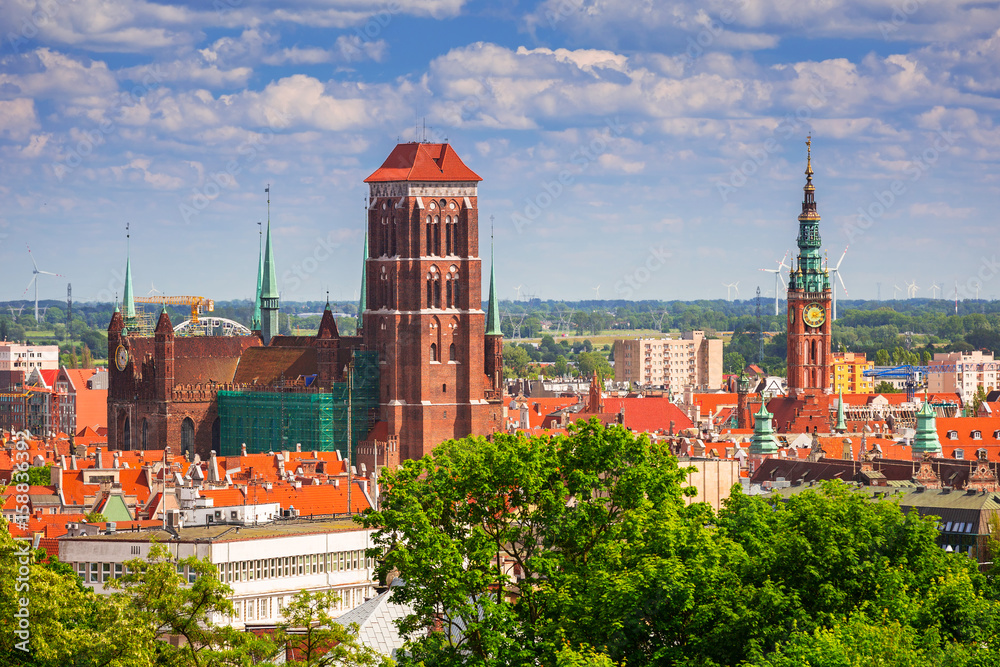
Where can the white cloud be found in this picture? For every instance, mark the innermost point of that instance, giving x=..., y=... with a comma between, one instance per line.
x=17, y=118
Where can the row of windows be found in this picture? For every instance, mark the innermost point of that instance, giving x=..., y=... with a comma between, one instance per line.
x=292, y=566
x=263, y=608
x=100, y=573
x=975, y=435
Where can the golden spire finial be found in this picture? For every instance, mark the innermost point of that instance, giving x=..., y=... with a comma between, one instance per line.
x=809, y=168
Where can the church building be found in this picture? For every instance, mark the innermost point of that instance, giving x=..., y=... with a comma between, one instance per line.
x=426, y=364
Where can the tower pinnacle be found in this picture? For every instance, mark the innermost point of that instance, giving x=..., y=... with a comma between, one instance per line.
x=128, y=301
x=255, y=320
x=269, y=284
x=493, y=313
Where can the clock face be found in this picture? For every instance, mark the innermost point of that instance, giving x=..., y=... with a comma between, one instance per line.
x=121, y=357
x=814, y=315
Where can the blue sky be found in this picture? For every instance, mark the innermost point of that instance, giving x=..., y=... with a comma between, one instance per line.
x=653, y=149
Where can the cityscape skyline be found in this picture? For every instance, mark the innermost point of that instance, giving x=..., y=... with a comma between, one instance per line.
x=636, y=153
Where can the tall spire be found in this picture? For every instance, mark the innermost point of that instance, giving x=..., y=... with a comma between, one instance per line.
x=269, y=284
x=363, y=301
x=841, y=426
x=764, y=442
x=255, y=320
x=128, y=301
x=809, y=274
x=493, y=311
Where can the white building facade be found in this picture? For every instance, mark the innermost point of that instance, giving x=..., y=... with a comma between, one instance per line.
x=264, y=565
x=691, y=362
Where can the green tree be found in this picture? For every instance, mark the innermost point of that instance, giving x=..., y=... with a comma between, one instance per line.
x=445, y=548
x=160, y=596
x=882, y=358
x=977, y=401
x=516, y=359
x=95, y=517
x=314, y=635
x=67, y=624
x=588, y=362
x=733, y=362
x=885, y=387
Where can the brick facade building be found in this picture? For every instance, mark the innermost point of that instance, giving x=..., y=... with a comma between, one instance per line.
x=440, y=359
x=423, y=303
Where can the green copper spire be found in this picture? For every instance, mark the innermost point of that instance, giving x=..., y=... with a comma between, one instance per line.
x=809, y=274
x=764, y=442
x=493, y=313
x=841, y=426
x=269, y=284
x=255, y=320
x=128, y=301
x=925, y=441
x=363, y=301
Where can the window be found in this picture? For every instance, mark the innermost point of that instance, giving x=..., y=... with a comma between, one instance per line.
x=952, y=435
x=272, y=568
x=94, y=572
x=452, y=353
x=958, y=454
x=977, y=435
x=434, y=353
x=285, y=559
x=105, y=572
x=981, y=454
x=118, y=570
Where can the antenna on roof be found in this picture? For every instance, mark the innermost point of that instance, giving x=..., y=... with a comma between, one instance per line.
x=423, y=137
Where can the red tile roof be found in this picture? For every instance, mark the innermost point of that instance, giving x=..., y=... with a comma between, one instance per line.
x=423, y=162
x=645, y=415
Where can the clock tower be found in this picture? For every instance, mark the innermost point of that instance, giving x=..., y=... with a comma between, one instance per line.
x=809, y=326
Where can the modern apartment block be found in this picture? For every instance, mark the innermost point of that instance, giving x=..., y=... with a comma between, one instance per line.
x=265, y=565
x=961, y=373
x=17, y=361
x=847, y=373
x=693, y=361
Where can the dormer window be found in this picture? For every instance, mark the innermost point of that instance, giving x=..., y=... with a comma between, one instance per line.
x=996, y=434
x=977, y=435
x=958, y=454
x=981, y=454
x=952, y=435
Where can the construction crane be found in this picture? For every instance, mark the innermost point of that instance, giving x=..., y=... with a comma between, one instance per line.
x=912, y=374
x=198, y=304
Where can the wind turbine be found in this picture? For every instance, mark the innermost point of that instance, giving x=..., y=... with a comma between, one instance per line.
x=777, y=277
x=34, y=279
x=517, y=291
x=152, y=289
x=836, y=271
x=729, y=290
x=934, y=289
x=895, y=288
x=911, y=289
x=597, y=292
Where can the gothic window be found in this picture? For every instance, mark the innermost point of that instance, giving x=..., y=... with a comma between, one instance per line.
x=145, y=434
x=449, y=232
x=434, y=352
x=433, y=288
x=813, y=354
x=384, y=237
x=187, y=437
x=452, y=353
x=437, y=235
x=392, y=239
x=437, y=293
x=430, y=236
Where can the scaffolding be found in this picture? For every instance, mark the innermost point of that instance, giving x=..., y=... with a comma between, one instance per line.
x=317, y=419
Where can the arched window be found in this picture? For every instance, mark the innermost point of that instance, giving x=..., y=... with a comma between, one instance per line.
x=187, y=437
x=217, y=436
x=813, y=354
x=393, y=251
x=126, y=432
x=453, y=353
x=434, y=352
x=437, y=235
x=430, y=237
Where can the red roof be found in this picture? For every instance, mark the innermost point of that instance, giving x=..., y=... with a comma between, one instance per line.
x=423, y=162
x=646, y=415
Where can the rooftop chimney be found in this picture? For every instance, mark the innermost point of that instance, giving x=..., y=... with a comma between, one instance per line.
x=98, y=459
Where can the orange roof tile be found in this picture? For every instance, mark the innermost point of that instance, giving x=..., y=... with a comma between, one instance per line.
x=423, y=162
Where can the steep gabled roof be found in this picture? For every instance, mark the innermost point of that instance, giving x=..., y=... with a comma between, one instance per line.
x=423, y=162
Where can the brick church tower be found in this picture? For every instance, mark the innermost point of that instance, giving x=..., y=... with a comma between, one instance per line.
x=809, y=326
x=423, y=301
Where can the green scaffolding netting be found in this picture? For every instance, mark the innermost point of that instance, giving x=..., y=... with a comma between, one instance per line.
x=270, y=421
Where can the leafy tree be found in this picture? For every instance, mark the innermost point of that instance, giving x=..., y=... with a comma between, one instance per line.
x=882, y=358
x=319, y=641
x=886, y=387
x=733, y=362
x=68, y=623
x=40, y=476
x=444, y=521
x=516, y=358
x=163, y=600
x=588, y=362
x=977, y=401
x=95, y=517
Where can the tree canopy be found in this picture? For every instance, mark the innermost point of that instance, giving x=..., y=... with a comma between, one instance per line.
x=602, y=562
